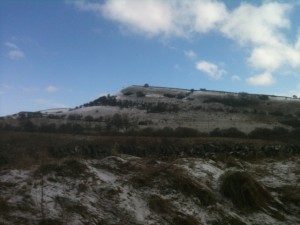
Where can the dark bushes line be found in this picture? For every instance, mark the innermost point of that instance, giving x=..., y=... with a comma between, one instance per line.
x=233, y=102
x=120, y=125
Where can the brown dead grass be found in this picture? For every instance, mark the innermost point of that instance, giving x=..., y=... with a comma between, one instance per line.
x=244, y=191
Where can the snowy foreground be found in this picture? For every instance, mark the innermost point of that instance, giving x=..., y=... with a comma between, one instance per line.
x=123, y=189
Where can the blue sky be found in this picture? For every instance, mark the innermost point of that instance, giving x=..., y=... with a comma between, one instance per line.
x=66, y=53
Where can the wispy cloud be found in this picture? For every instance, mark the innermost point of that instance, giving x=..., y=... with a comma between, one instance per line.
x=190, y=54
x=210, y=69
x=11, y=45
x=14, y=52
x=235, y=78
x=51, y=89
x=264, y=79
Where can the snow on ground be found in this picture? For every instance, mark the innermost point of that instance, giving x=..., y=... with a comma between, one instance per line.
x=105, y=193
x=55, y=110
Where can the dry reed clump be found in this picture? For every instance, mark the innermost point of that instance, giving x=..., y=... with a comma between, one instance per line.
x=177, y=178
x=244, y=191
x=146, y=176
x=189, y=186
x=182, y=219
x=160, y=205
x=70, y=168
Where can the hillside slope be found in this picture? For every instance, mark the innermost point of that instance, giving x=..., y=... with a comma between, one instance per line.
x=146, y=108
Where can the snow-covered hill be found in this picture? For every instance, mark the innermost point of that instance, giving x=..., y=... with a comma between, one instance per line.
x=137, y=108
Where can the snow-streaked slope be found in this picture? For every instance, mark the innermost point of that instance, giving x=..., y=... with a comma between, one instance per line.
x=123, y=189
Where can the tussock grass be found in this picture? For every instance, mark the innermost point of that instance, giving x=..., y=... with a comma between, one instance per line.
x=160, y=205
x=70, y=168
x=244, y=191
x=177, y=179
x=182, y=219
x=232, y=162
x=190, y=187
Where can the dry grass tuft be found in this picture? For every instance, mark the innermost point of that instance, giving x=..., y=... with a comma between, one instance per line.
x=177, y=179
x=70, y=168
x=189, y=186
x=160, y=205
x=244, y=191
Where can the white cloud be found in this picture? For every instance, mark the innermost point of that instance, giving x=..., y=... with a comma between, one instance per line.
x=190, y=54
x=273, y=58
x=208, y=14
x=266, y=57
x=264, y=79
x=297, y=45
x=210, y=69
x=16, y=54
x=257, y=24
x=86, y=6
x=14, y=51
x=160, y=17
x=259, y=28
x=50, y=103
x=151, y=17
x=52, y=89
x=235, y=78
x=11, y=45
